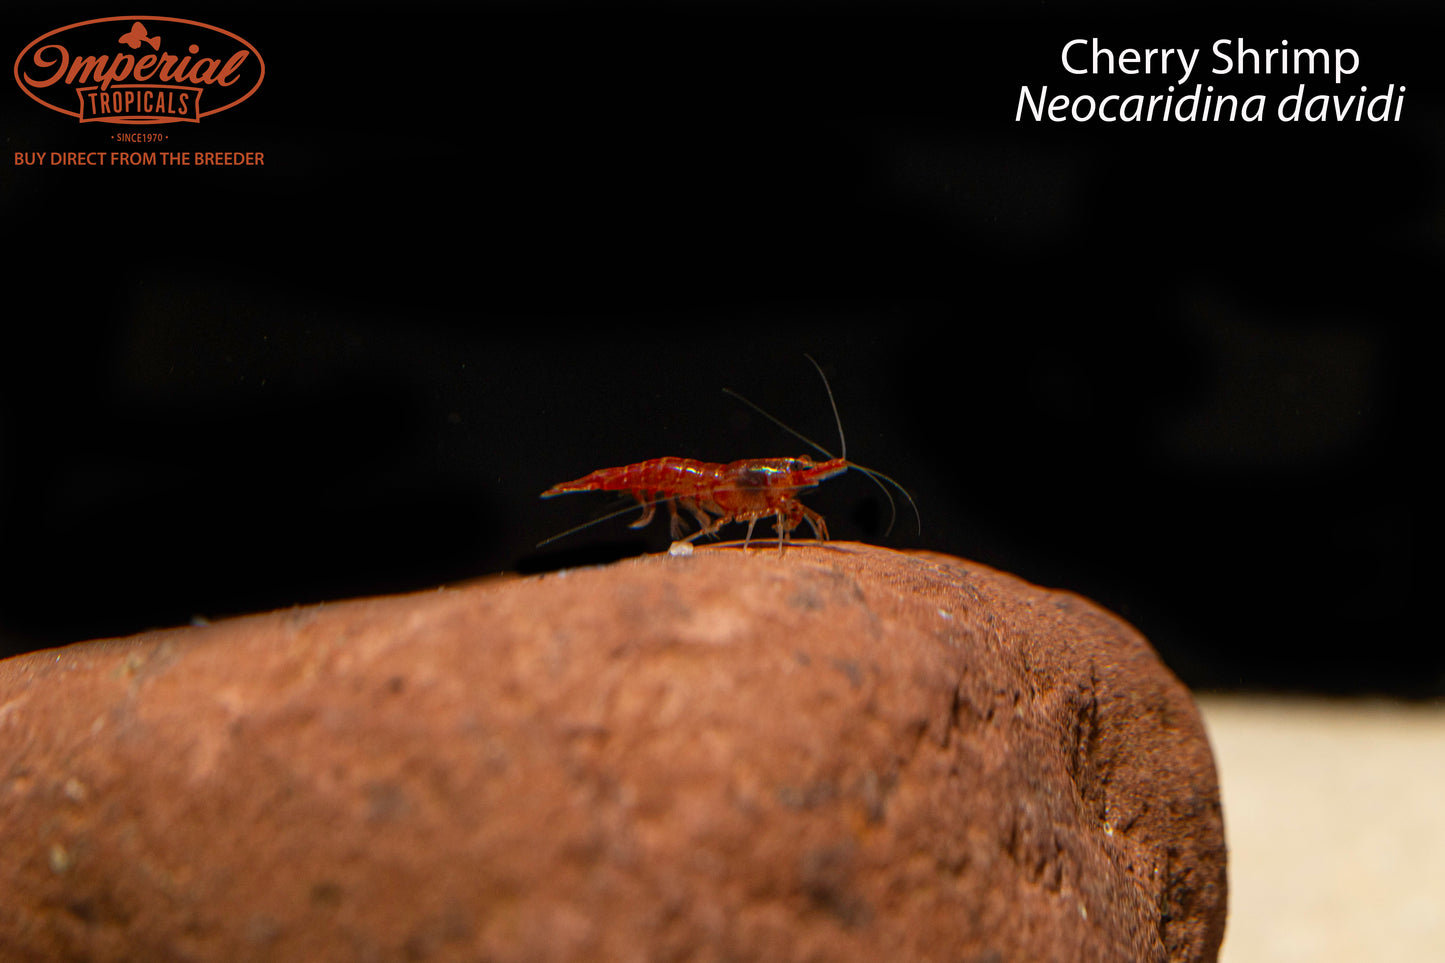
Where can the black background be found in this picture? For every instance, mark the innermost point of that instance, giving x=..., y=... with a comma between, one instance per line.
x=1183, y=369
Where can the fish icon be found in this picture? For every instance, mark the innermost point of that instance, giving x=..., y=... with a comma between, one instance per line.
x=137, y=36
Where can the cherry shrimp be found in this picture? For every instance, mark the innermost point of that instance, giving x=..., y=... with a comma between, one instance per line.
x=740, y=491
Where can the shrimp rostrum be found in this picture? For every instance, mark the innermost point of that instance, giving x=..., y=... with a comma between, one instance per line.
x=717, y=494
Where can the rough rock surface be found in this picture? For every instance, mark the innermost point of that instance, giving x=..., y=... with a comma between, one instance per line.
x=846, y=753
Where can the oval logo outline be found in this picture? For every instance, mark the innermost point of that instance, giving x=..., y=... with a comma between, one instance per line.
x=128, y=21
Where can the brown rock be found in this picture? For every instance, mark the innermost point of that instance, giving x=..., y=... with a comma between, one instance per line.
x=843, y=754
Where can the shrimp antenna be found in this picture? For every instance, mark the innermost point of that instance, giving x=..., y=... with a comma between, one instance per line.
x=877, y=477
x=837, y=418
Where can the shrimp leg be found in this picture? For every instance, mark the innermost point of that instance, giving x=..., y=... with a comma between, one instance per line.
x=649, y=508
x=703, y=519
x=820, y=527
x=708, y=524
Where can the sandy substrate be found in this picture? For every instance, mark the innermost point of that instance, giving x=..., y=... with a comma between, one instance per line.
x=1335, y=816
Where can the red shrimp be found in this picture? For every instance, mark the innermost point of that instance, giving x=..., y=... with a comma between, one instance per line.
x=740, y=491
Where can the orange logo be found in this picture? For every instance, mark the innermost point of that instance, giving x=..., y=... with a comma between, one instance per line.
x=137, y=36
x=87, y=70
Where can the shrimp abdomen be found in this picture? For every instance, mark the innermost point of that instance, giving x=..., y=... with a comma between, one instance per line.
x=666, y=476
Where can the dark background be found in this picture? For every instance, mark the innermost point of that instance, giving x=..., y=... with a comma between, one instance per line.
x=1179, y=368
